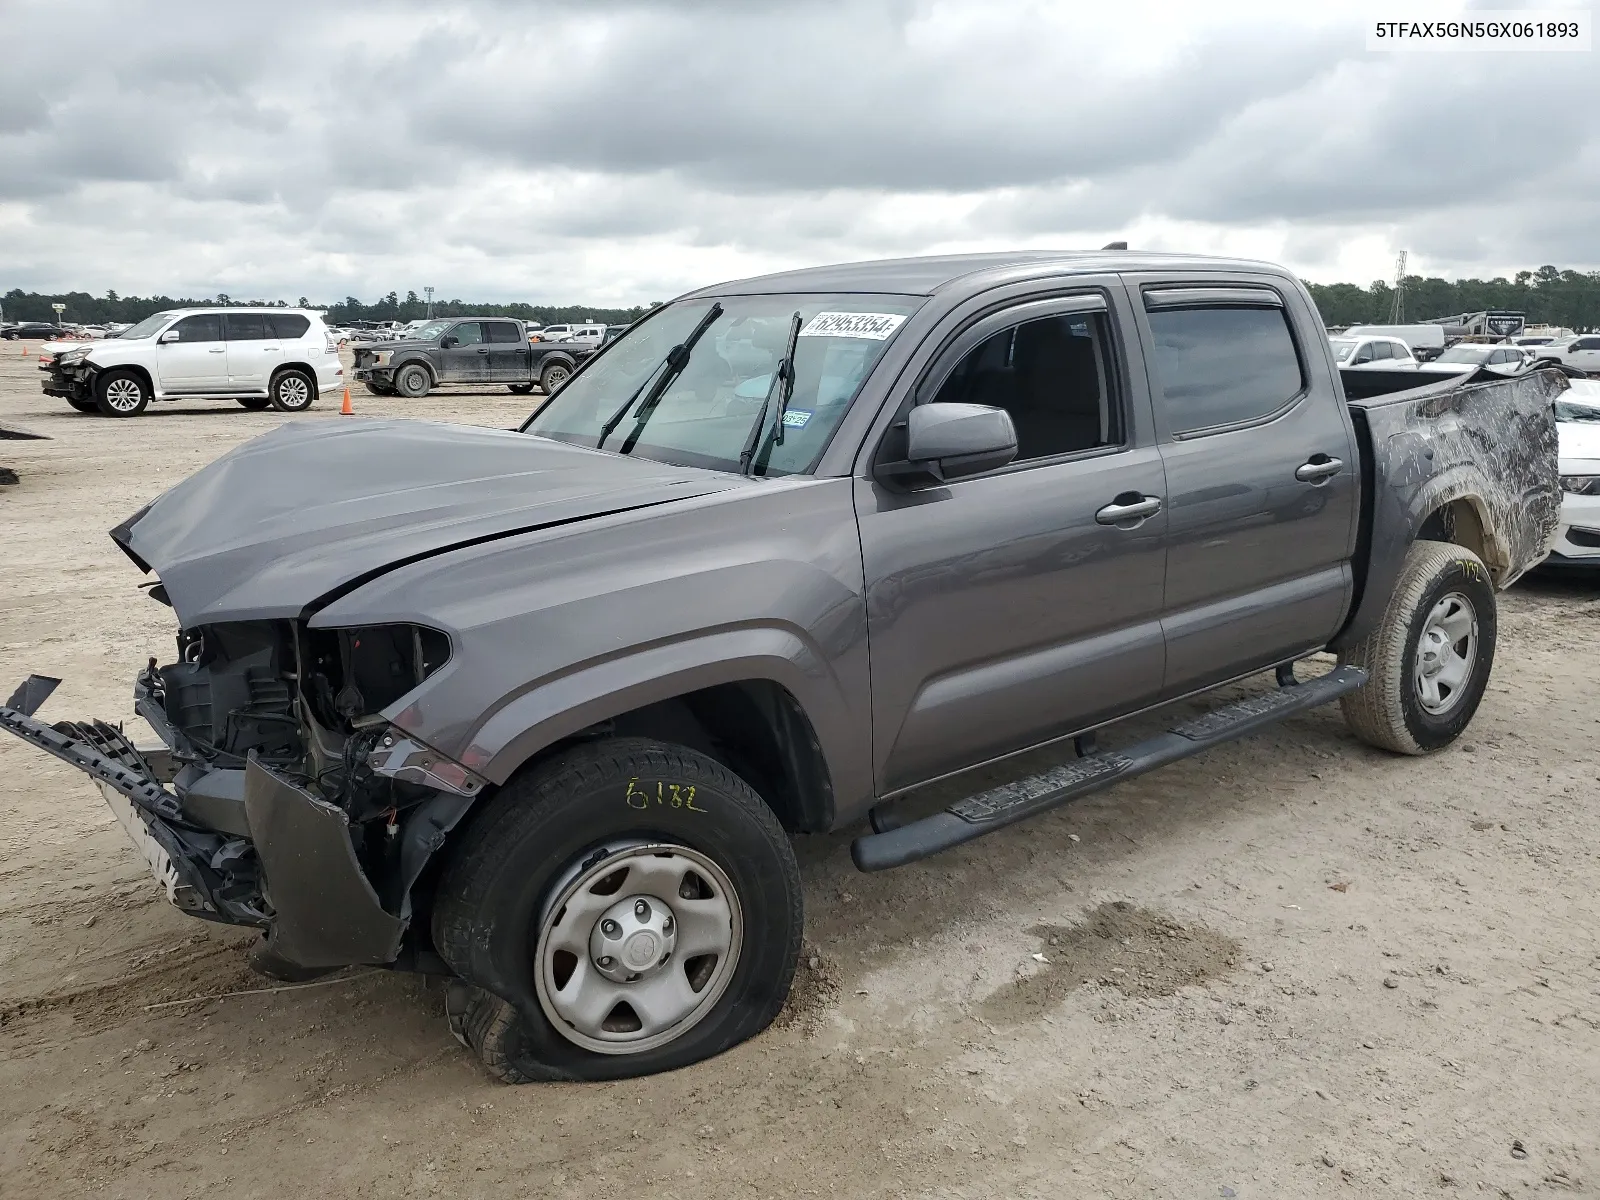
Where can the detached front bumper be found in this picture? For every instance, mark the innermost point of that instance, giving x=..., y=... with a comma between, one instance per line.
x=241, y=847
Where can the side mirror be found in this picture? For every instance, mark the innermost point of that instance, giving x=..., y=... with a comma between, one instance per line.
x=447, y=342
x=170, y=335
x=952, y=441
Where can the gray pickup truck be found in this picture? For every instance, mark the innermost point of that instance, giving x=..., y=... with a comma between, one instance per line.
x=539, y=710
x=476, y=350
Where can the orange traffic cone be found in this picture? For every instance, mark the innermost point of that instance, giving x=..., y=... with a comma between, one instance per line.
x=345, y=410
x=24, y=349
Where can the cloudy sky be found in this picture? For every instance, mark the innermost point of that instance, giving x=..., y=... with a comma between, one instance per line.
x=624, y=152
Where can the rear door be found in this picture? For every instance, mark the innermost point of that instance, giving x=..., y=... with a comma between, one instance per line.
x=467, y=359
x=1009, y=608
x=198, y=360
x=1261, y=471
x=254, y=350
x=509, y=355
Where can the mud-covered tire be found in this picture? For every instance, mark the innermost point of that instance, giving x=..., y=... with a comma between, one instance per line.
x=292, y=391
x=413, y=381
x=1392, y=711
x=254, y=403
x=121, y=394
x=496, y=891
x=553, y=376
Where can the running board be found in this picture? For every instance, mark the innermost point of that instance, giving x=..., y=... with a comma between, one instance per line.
x=1012, y=802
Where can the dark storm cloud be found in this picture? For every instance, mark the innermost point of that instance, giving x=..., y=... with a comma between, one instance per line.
x=568, y=147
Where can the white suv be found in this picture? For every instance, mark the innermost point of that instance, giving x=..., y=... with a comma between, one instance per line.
x=282, y=357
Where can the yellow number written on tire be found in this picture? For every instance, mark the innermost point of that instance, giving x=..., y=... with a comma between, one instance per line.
x=662, y=795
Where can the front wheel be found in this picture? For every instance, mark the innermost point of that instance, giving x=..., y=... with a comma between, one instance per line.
x=413, y=381
x=84, y=406
x=627, y=907
x=292, y=391
x=122, y=394
x=1428, y=661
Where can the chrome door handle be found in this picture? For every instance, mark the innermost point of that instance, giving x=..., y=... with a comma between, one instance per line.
x=219, y=350
x=1316, y=472
x=483, y=349
x=1115, y=514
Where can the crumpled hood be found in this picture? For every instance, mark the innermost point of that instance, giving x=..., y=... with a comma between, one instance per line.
x=313, y=508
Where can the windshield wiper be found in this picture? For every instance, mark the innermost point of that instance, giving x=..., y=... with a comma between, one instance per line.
x=783, y=383
x=670, y=367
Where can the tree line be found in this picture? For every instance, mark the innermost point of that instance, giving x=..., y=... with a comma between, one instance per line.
x=1548, y=295
x=84, y=309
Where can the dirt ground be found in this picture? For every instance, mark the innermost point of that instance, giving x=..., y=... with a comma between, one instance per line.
x=1293, y=967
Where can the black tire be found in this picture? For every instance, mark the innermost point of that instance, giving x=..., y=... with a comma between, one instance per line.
x=254, y=403
x=292, y=390
x=553, y=376
x=1394, y=711
x=413, y=381
x=521, y=389
x=547, y=823
x=84, y=406
x=122, y=394
x=378, y=389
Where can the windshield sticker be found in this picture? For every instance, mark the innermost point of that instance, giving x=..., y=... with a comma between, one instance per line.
x=796, y=418
x=875, y=326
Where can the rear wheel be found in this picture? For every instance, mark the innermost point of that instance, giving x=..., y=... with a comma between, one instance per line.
x=553, y=376
x=292, y=391
x=627, y=907
x=1429, y=659
x=254, y=403
x=122, y=394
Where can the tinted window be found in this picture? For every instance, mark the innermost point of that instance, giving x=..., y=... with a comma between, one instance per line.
x=1381, y=351
x=1052, y=376
x=248, y=327
x=1220, y=366
x=468, y=333
x=289, y=325
x=501, y=331
x=200, y=329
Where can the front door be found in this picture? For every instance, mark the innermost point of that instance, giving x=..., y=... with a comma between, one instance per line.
x=1014, y=607
x=509, y=354
x=466, y=359
x=198, y=360
x=254, y=350
x=1262, y=477
x=1585, y=354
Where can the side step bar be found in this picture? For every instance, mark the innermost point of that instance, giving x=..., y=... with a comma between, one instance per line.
x=1012, y=802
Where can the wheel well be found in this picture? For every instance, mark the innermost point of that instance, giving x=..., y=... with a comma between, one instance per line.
x=755, y=728
x=427, y=366
x=131, y=369
x=1460, y=523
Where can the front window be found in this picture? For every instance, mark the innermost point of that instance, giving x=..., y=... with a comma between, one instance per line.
x=710, y=407
x=148, y=327
x=1465, y=354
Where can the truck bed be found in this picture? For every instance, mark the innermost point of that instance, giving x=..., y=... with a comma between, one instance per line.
x=1469, y=459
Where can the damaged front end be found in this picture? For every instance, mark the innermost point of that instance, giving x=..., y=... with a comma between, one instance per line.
x=278, y=796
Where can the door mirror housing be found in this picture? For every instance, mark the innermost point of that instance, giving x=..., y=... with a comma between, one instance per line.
x=171, y=335
x=446, y=342
x=946, y=441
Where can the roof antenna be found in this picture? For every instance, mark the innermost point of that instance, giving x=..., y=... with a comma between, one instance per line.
x=1115, y=246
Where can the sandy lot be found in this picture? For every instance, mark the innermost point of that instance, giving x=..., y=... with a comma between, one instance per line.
x=1295, y=967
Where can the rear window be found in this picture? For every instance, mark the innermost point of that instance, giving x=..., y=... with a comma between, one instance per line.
x=248, y=327
x=1219, y=366
x=501, y=331
x=289, y=325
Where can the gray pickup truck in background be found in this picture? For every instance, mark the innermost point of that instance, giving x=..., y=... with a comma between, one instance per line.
x=473, y=350
x=539, y=710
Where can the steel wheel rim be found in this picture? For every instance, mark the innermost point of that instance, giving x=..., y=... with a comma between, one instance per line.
x=1447, y=651
x=594, y=935
x=411, y=381
x=558, y=376
x=123, y=395
x=293, y=392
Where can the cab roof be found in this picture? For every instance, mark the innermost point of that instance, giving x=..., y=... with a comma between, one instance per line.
x=930, y=275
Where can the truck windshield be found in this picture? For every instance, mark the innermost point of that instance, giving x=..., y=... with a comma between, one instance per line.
x=426, y=333
x=1465, y=354
x=705, y=416
x=1341, y=348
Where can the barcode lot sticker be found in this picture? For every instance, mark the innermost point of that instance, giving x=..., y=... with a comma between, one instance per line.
x=876, y=326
